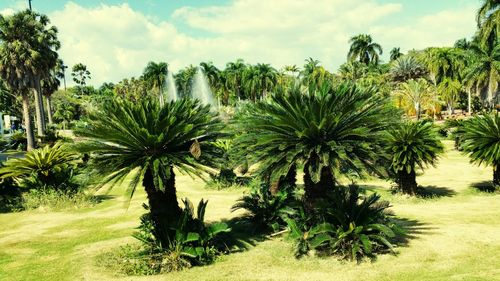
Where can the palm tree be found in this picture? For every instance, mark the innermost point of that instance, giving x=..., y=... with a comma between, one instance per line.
x=443, y=63
x=330, y=131
x=184, y=79
x=484, y=70
x=364, y=49
x=146, y=141
x=450, y=90
x=395, y=54
x=155, y=75
x=48, y=86
x=480, y=138
x=488, y=22
x=406, y=68
x=353, y=70
x=412, y=145
x=235, y=72
x=267, y=76
x=291, y=70
x=26, y=56
x=463, y=44
x=414, y=93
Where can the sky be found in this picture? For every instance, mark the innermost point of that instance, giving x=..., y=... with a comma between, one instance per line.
x=116, y=38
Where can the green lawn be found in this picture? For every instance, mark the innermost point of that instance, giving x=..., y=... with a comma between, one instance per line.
x=453, y=237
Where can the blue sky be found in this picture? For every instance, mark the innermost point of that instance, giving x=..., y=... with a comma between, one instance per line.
x=117, y=38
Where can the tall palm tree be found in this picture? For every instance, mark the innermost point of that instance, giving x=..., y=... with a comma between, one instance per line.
x=330, y=132
x=415, y=93
x=48, y=86
x=212, y=73
x=450, y=90
x=484, y=70
x=395, y=54
x=488, y=22
x=155, y=75
x=443, y=63
x=412, y=145
x=146, y=141
x=364, y=49
x=480, y=138
x=27, y=54
x=235, y=72
x=267, y=76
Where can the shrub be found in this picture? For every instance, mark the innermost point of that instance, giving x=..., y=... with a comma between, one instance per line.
x=345, y=225
x=44, y=168
x=264, y=209
x=56, y=199
x=194, y=242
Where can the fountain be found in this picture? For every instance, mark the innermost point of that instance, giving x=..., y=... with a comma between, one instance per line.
x=201, y=89
x=171, y=88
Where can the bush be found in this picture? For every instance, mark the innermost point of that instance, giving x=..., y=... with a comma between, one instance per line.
x=56, y=200
x=345, y=225
x=194, y=243
x=264, y=209
x=19, y=141
x=44, y=168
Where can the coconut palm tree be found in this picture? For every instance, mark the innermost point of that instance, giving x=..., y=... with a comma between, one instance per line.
x=484, y=71
x=406, y=68
x=155, y=75
x=27, y=54
x=48, y=86
x=412, y=145
x=414, y=93
x=184, y=79
x=235, y=72
x=145, y=141
x=488, y=22
x=480, y=139
x=364, y=49
x=330, y=131
x=450, y=90
x=395, y=54
x=267, y=76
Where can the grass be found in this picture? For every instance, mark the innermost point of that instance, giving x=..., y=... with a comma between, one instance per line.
x=454, y=236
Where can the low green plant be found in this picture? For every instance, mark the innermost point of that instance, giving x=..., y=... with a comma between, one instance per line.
x=264, y=209
x=50, y=167
x=194, y=242
x=51, y=199
x=346, y=225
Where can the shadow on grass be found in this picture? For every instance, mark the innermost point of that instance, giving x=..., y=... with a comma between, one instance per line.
x=484, y=186
x=412, y=228
x=103, y=197
x=433, y=191
x=243, y=236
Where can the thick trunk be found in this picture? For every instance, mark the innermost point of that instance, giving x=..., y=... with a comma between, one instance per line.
x=407, y=182
x=286, y=182
x=163, y=205
x=40, y=120
x=496, y=175
x=417, y=111
x=27, y=122
x=316, y=191
x=49, y=109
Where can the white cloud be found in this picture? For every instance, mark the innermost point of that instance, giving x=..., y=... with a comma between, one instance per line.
x=115, y=41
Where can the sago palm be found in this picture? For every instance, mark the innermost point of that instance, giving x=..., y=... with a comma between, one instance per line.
x=146, y=141
x=330, y=132
x=480, y=138
x=412, y=145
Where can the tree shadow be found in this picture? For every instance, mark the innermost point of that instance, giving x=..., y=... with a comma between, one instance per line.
x=103, y=197
x=484, y=186
x=433, y=191
x=412, y=229
x=243, y=236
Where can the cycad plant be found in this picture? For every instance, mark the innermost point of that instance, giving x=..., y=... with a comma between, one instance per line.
x=47, y=167
x=412, y=145
x=480, y=139
x=329, y=132
x=145, y=142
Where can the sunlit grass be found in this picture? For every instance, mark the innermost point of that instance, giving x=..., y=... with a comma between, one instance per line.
x=453, y=236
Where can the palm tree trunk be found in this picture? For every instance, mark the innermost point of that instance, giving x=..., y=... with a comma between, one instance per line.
x=496, y=175
x=469, y=102
x=49, y=109
x=407, y=182
x=286, y=182
x=163, y=206
x=490, y=90
x=27, y=122
x=315, y=191
x=40, y=120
